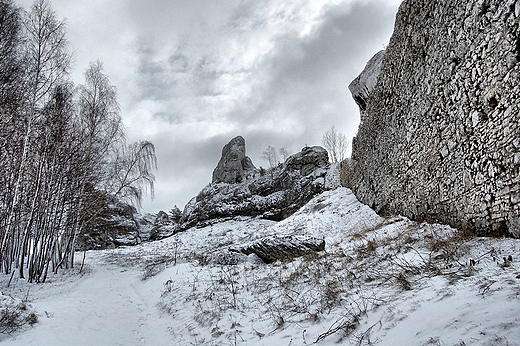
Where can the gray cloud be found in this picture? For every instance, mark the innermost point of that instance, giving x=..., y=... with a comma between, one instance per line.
x=193, y=74
x=308, y=78
x=301, y=89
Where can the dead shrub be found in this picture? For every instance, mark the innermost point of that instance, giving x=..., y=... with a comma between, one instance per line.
x=449, y=248
x=156, y=265
x=15, y=317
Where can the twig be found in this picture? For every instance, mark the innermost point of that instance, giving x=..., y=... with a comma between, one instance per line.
x=9, y=283
x=83, y=261
x=486, y=288
x=345, y=325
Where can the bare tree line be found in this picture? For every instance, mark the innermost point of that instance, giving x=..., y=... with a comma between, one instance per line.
x=270, y=154
x=334, y=141
x=62, y=147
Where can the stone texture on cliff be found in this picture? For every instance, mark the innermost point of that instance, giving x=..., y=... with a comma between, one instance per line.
x=275, y=195
x=234, y=166
x=440, y=133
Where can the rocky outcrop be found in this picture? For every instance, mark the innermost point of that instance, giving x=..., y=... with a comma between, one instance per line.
x=362, y=86
x=114, y=225
x=275, y=195
x=234, y=166
x=281, y=248
x=440, y=133
x=159, y=232
x=158, y=226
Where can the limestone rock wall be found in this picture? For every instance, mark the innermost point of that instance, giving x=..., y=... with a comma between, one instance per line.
x=440, y=133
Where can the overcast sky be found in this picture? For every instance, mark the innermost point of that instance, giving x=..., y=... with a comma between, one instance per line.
x=192, y=74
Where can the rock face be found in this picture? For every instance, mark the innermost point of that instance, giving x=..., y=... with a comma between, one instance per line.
x=362, y=86
x=440, y=133
x=113, y=226
x=275, y=195
x=158, y=226
x=234, y=166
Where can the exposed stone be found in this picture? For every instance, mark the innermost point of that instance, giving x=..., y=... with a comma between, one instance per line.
x=114, y=225
x=162, y=218
x=163, y=231
x=280, y=248
x=447, y=100
x=234, y=166
x=233, y=258
x=362, y=86
x=308, y=160
x=275, y=195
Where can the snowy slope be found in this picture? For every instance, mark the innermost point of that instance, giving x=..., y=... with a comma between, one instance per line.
x=385, y=281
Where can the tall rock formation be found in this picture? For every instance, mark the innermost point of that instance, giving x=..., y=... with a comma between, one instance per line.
x=234, y=166
x=274, y=195
x=439, y=138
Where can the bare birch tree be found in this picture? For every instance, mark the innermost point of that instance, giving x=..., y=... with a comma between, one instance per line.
x=336, y=144
x=61, y=147
x=46, y=60
x=270, y=156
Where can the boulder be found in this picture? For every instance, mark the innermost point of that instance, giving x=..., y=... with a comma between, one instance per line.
x=308, y=160
x=281, y=248
x=234, y=166
x=362, y=86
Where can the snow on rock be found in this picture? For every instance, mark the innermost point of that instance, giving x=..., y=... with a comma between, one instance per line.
x=333, y=176
x=275, y=248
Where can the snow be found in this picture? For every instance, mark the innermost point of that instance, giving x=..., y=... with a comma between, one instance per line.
x=384, y=281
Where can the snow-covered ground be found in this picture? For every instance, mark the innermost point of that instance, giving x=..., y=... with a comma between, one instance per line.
x=385, y=281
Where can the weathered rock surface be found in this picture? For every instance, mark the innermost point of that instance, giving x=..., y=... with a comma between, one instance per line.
x=234, y=166
x=275, y=195
x=164, y=225
x=113, y=226
x=233, y=258
x=280, y=248
x=362, y=86
x=440, y=133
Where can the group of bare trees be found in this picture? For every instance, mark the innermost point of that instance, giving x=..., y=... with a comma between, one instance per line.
x=62, y=147
x=336, y=144
x=270, y=154
x=334, y=141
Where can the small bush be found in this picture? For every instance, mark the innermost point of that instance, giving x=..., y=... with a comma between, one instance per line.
x=14, y=316
x=31, y=319
x=155, y=266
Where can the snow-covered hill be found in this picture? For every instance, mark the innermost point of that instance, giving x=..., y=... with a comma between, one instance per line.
x=384, y=281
